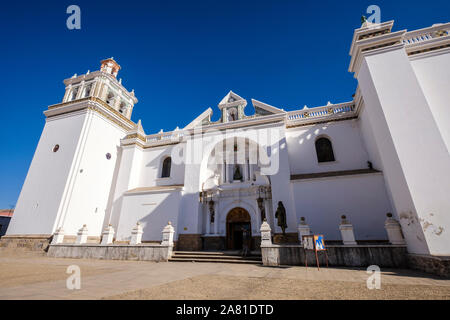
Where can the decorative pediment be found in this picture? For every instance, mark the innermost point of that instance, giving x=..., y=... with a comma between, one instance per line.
x=231, y=100
x=264, y=109
x=201, y=119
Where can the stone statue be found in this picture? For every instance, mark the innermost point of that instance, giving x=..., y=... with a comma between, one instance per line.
x=280, y=214
x=237, y=173
x=363, y=19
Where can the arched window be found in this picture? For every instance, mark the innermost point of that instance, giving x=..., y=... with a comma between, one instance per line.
x=110, y=98
x=167, y=163
x=87, y=90
x=74, y=93
x=324, y=150
x=122, y=107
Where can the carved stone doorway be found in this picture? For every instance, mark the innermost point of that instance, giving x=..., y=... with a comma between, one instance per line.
x=238, y=220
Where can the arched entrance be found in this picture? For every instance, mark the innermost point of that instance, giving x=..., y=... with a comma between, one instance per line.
x=238, y=220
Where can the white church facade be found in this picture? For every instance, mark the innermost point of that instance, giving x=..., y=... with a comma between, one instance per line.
x=386, y=151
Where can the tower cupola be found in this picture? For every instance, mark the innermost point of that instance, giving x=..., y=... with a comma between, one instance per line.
x=110, y=66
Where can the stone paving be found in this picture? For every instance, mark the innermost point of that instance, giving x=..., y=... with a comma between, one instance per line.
x=28, y=275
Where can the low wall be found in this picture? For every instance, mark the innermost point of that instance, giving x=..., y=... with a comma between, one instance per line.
x=145, y=252
x=387, y=256
x=28, y=242
x=439, y=265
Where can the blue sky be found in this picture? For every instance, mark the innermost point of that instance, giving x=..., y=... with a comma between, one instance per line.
x=181, y=57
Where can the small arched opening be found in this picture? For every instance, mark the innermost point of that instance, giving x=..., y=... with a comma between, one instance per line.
x=238, y=229
x=324, y=150
x=166, y=166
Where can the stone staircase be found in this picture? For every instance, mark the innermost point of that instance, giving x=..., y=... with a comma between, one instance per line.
x=218, y=257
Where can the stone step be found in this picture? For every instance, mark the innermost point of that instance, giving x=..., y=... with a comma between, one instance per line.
x=213, y=253
x=186, y=259
x=227, y=257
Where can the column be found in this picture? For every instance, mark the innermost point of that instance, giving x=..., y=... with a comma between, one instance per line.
x=216, y=217
x=224, y=172
x=66, y=94
x=258, y=216
x=80, y=90
x=251, y=171
x=104, y=91
x=117, y=101
x=208, y=219
x=245, y=169
x=94, y=88
x=98, y=87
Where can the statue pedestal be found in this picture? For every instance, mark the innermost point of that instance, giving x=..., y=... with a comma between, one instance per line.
x=281, y=238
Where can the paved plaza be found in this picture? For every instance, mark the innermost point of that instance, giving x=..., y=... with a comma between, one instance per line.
x=32, y=275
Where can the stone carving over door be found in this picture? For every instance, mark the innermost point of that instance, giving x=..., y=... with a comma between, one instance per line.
x=238, y=215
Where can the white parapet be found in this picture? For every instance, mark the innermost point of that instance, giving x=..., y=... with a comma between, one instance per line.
x=168, y=232
x=136, y=234
x=394, y=230
x=348, y=236
x=303, y=229
x=58, y=236
x=266, y=237
x=82, y=235
x=108, y=235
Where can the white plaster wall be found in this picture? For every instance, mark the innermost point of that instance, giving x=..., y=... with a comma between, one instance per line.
x=153, y=210
x=40, y=198
x=280, y=184
x=369, y=140
x=127, y=177
x=88, y=198
x=415, y=158
x=433, y=72
x=345, y=136
x=362, y=198
x=152, y=161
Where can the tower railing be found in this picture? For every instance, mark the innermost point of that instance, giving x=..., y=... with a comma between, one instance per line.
x=329, y=111
x=426, y=34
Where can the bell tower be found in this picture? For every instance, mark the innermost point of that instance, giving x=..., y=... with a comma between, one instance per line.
x=70, y=178
x=232, y=107
x=103, y=85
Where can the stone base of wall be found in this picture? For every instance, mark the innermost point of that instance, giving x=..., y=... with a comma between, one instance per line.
x=147, y=252
x=220, y=243
x=439, y=265
x=386, y=256
x=291, y=238
x=213, y=243
x=189, y=242
x=28, y=242
x=256, y=243
x=90, y=239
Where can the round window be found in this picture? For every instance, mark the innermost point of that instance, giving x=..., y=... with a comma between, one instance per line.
x=56, y=148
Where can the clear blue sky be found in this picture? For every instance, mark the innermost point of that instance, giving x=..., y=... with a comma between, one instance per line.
x=181, y=57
